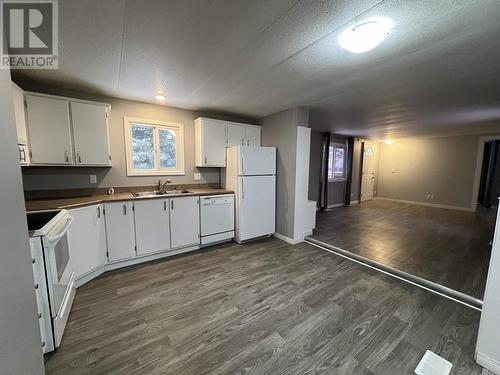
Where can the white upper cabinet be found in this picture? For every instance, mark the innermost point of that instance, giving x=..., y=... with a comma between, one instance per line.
x=252, y=135
x=184, y=222
x=235, y=134
x=213, y=136
x=90, y=132
x=64, y=131
x=210, y=139
x=152, y=225
x=18, y=96
x=120, y=231
x=49, y=130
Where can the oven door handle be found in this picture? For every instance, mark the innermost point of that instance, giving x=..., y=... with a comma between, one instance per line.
x=57, y=237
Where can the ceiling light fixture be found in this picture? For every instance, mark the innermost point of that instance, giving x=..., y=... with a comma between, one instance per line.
x=366, y=35
x=389, y=141
x=160, y=96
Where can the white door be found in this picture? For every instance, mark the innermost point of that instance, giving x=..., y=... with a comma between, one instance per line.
x=90, y=131
x=235, y=134
x=256, y=207
x=18, y=96
x=369, y=171
x=152, y=225
x=214, y=143
x=49, y=130
x=184, y=222
x=257, y=161
x=252, y=135
x=120, y=231
x=87, y=239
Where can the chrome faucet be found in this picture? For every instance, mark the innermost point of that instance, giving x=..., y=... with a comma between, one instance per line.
x=162, y=187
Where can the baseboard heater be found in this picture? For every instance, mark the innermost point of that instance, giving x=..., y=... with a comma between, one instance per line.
x=449, y=293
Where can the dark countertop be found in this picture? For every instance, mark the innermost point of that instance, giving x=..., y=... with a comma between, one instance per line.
x=67, y=203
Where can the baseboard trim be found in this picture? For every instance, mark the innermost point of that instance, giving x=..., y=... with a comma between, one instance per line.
x=488, y=363
x=424, y=204
x=335, y=205
x=291, y=241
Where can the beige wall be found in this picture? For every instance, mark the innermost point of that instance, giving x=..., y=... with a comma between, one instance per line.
x=280, y=130
x=444, y=167
x=35, y=178
x=20, y=343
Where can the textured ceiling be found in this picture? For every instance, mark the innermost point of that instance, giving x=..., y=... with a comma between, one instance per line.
x=438, y=72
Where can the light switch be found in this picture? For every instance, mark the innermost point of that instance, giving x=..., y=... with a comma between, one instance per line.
x=393, y=170
x=93, y=179
x=197, y=176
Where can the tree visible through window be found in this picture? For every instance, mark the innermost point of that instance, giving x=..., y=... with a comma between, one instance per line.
x=153, y=148
x=336, y=162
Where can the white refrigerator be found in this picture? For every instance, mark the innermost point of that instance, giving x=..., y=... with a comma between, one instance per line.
x=251, y=174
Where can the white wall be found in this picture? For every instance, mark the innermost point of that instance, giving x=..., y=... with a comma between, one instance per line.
x=20, y=345
x=488, y=342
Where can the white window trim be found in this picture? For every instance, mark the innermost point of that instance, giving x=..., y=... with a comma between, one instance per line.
x=179, y=171
x=343, y=178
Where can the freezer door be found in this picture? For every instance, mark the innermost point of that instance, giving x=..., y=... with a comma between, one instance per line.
x=256, y=161
x=256, y=207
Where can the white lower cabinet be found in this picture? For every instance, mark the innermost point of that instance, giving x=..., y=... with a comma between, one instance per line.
x=87, y=239
x=152, y=225
x=120, y=230
x=184, y=222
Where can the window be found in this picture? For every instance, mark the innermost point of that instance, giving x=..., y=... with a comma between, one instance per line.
x=153, y=148
x=336, y=162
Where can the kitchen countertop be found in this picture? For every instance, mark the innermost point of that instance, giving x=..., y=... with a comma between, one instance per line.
x=67, y=203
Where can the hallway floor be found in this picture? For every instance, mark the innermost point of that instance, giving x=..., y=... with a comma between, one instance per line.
x=447, y=247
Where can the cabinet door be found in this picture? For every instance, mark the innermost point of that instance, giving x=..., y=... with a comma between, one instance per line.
x=18, y=96
x=49, y=129
x=90, y=132
x=120, y=231
x=152, y=228
x=252, y=134
x=214, y=143
x=87, y=241
x=184, y=221
x=235, y=135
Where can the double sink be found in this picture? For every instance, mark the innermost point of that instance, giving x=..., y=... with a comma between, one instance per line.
x=158, y=192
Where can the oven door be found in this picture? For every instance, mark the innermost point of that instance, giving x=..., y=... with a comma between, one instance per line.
x=57, y=263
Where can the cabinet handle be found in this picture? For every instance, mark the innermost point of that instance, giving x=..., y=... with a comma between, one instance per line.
x=79, y=157
x=248, y=142
x=124, y=209
x=22, y=154
x=164, y=205
x=98, y=212
x=205, y=160
x=43, y=344
x=243, y=142
x=66, y=156
x=172, y=204
x=36, y=286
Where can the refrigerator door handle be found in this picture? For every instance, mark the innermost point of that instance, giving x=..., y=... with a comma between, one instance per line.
x=242, y=188
x=242, y=163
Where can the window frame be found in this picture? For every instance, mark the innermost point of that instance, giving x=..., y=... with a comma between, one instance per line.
x=156, y=125
x=344, y=174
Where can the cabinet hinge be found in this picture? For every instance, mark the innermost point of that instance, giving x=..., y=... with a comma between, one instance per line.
x=110, y=157
x=135, y=247
x=107, y=255
x=103, y=211
x=133, y=208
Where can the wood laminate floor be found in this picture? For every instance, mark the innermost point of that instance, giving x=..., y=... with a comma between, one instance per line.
x=448, y=247
x=261, y=308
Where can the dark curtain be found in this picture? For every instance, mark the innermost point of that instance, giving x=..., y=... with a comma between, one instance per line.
x=488, y=188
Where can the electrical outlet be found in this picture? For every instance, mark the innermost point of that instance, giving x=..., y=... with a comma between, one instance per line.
x=393, y=170
x=93, y=179
x=197, y=176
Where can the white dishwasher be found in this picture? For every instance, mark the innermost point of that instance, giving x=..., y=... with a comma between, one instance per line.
x=216, y=218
